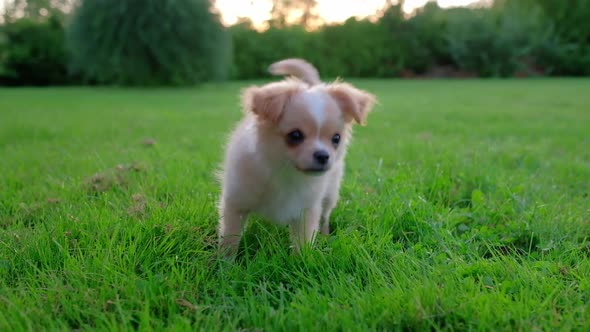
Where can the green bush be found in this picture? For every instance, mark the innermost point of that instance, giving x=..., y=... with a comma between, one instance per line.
x=418, y=43
x=490, y=43
x=357, y=48
x=354, y=48
x=567, y=52
x=559, y=57
x=509, y=38
x=254, y=50
x=568, y=18
x=168, y=42
x=32, y=53
x=148, y=42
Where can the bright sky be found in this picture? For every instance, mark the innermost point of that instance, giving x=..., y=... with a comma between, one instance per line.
x=330, y=10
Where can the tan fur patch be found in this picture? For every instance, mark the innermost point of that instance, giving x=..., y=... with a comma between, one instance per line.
x=268, y=102
x=355, y=103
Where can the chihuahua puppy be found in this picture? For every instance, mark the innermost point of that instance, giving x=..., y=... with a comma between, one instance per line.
x=285, y=159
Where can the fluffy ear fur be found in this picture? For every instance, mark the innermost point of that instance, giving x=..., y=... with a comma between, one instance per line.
x=354, y=103
x=268, y=102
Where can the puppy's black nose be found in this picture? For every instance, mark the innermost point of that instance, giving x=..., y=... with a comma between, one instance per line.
x=321, y=157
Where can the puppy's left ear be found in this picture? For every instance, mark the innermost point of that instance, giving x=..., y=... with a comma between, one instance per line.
x=354, y=103
x=268, y=102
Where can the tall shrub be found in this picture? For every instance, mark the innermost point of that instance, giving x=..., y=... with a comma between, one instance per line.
x=493, y=43
x=357, y=48
x=255, y=50
x=567, y=51
x=417, y=43
x=148, y=42
x=32, y=52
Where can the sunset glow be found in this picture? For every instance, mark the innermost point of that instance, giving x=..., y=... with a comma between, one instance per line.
x=330, y=10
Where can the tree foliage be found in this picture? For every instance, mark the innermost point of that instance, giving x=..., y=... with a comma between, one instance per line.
x=36, y=10
x=513, y=37
x=295, y=12
x=172, y=42
x=567, y=50
x=33, y=53
x=148, y=42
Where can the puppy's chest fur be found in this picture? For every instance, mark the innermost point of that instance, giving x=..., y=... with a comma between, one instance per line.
x=285, y=200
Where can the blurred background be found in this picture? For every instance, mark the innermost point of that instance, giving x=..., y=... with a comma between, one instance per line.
x=186, y=42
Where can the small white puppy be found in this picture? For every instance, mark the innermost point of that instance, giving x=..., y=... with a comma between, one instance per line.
x=285, y=159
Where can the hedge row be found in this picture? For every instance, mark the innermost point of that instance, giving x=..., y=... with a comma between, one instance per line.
x=164, y=44
x=519, y=37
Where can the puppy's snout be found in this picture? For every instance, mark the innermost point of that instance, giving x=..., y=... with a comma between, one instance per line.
x=321, y=157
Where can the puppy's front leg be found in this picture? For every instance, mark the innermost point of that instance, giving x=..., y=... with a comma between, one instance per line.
x=304, y=231
x=231, y=224
x=326, y=222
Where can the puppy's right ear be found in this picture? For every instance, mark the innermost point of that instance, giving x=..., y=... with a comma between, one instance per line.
x=355, y=103
x=267, y=102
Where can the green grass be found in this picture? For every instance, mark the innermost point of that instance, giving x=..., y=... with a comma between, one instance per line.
x=465, y=207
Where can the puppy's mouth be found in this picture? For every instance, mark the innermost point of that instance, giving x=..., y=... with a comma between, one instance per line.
x=313, y=170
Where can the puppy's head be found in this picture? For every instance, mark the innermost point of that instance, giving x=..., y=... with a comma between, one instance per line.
x=307, y=127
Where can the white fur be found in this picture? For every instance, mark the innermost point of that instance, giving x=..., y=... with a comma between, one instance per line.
x=254, y=182
x=316, y=104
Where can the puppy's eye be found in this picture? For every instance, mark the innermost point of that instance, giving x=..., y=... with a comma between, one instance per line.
x=336, y=139
x=295, y=137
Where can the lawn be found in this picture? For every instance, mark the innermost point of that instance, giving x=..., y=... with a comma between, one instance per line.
x=465, y=207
